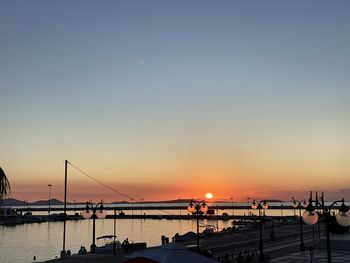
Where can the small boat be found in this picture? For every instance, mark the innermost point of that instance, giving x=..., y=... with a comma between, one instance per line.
x=107, y=244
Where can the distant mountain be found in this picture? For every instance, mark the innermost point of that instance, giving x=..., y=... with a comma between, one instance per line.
x=174, y=201
x=120, y=202
x=53, y=201
x=274, y=201
x=13, y=202
x=150, y=202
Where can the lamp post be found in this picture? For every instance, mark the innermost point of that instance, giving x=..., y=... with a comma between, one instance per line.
x=114, y=231
x=260, y=205
x=132, y=206
x=248, y=198
x=97, y=211
x=141, y=206
x=197, y=207
x=233, y=211
x=180, y=206
x=282, y=211
x=311, y=217
x=300, y=205
x=49, y=185
x=75, y=206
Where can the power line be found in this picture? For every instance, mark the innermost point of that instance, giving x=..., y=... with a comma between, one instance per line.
x=99, y=182
x=122, y=194
x=114, y=190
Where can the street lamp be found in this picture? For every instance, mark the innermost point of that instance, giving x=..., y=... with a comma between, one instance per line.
x=197, y=207
x=141, y=206
x=132, y=206
x=311, y=217
x=75, y=206
x=94, y=211
x=49, y=185
x=248, y=198
x=260, y=205
x=300, y=205
x=233, y=211
x=180, y=206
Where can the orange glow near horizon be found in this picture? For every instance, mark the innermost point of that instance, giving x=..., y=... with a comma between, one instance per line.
x=154, y=192
x=170, y=182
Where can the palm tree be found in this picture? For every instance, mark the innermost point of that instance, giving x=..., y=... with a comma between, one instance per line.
x=5, y=187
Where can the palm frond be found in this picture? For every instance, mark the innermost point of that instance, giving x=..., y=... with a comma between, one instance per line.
x=5, y=187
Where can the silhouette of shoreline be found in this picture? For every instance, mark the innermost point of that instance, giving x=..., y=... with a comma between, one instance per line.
x=54, y=201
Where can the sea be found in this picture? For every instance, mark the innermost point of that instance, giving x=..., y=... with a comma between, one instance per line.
x=21, y=243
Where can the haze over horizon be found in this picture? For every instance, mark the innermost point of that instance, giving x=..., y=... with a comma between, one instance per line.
x=268, y=196
x=167, y=100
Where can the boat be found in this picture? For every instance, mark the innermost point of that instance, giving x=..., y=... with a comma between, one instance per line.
x=107, y=244
x=9, y=216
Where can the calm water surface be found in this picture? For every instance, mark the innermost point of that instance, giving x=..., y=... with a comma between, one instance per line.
x=20, y=243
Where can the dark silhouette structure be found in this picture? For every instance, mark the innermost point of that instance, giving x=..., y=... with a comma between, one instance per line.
x=97, y=212
x=311, y=217
x=300, y=205
x=197, y=208
x=5, y=187
x=260, y=205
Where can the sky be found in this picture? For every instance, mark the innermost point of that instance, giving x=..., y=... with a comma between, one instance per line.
x=172, y=99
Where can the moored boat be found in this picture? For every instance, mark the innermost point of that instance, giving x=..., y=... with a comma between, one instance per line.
x=107, y=244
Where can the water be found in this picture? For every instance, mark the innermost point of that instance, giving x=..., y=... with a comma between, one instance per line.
x=20, y=243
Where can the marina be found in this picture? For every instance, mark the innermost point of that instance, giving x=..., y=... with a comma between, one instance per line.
x=137, y=227
x=173, y=211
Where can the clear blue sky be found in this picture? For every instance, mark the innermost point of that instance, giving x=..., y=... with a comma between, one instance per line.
x=237, y=93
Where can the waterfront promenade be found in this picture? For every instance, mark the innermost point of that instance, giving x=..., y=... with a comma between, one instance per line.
x=340, y=252
x=226, y=247
x=246, y=242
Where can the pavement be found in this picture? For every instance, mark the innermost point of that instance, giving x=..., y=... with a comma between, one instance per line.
x=340, y=252
x=339, y=256
x=282, y=249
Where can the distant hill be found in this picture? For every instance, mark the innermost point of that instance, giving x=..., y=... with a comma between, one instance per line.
x=174, y=201
x=274, y=201
x=120, y=202
x=150, y=202
x=13, y=202
x=53, y=201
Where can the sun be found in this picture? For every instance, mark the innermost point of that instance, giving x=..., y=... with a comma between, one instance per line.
x=209, y=195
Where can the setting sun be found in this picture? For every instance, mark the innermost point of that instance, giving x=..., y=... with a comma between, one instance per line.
x=209, y=195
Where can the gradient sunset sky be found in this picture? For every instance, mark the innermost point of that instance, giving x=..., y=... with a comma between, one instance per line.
x=173, y=99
